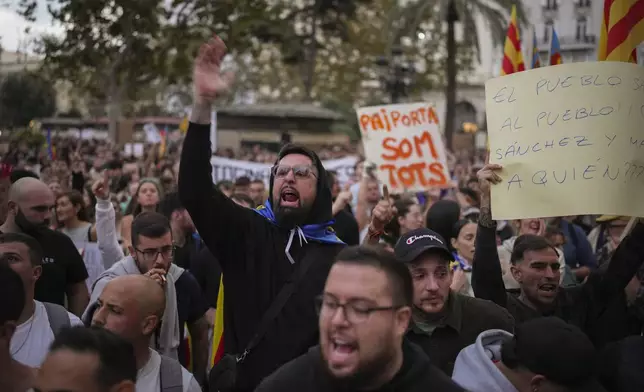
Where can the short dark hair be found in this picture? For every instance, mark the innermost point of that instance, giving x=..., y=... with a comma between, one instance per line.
x=149, y=224
x=529, y=242
x=402, y=291
x=258, y=181
x=242, y=181
x=170, y=203
x=472, y=194
x=12, y=292
x=18, y=174
x=35, y=250
x=76, y=199
x=117, y=362
x=244, y=198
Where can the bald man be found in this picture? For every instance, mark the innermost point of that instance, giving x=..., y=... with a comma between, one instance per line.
x=132, y=306
x=63, y=271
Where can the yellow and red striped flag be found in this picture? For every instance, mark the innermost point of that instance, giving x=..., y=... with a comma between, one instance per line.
x=218, y=334
x=622, y=30
x=512, y=56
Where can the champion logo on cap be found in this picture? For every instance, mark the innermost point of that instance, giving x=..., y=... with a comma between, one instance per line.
x=415, y=238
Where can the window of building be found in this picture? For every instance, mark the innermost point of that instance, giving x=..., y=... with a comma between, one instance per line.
x=582, y=25
x=547, y=27
x=551, y=4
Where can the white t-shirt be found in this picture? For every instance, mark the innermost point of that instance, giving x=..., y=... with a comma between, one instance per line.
x=148, y=380
x=30, y=343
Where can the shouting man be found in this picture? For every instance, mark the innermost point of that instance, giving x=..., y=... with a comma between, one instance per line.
x=282, y=250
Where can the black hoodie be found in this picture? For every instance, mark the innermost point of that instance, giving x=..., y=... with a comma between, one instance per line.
x=307, y=373
x=251, y=252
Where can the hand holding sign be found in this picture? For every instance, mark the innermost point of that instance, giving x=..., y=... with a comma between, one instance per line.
x=488, y=176
x=383, y=213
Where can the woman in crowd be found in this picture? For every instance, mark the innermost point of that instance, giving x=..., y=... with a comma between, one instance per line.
x=605, y=238
x=408, y=217
x=462, y=241
x=72, y=218
x=146, y=198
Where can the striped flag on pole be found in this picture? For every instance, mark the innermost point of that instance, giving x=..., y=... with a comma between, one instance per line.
x=512, y=57
x=622, y=30
x=218, y=335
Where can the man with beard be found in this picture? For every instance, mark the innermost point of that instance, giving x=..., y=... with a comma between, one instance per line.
x=525, y=226
x=63, y=269
x=276, y=257
x=535, y=266
x=364, y=311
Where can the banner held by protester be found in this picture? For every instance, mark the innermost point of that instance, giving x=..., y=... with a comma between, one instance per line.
x=405, y=144
x=570, y=140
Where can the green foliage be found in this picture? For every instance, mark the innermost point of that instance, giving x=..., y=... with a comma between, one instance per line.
x=119, y=48
x=25, y=96
x=34, y=138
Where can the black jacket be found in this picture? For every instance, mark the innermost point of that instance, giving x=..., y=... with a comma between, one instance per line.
x=251, y=253
x=465, y=319
x=620, y=365
x=307, y=373
x=587, y=306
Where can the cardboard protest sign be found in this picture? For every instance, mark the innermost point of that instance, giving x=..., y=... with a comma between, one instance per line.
x=405, y=144
x=570, y=138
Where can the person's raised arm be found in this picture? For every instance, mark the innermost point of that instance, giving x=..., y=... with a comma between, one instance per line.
x=108, y=243
x=487, y=275
x=219, y=220
x=625, y=261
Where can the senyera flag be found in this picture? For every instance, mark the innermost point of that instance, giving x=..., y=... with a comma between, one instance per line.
x=622, y=30
x=512, y=57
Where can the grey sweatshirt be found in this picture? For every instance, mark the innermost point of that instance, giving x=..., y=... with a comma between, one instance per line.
x=474, y=368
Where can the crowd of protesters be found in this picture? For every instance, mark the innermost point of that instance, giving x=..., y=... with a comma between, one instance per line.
x=124, y=274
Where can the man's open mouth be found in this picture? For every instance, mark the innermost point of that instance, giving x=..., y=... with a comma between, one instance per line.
x=290, y=198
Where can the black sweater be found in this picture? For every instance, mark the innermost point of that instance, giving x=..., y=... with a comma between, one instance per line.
x=251, y=253
x=585, y=306
x=307, y=373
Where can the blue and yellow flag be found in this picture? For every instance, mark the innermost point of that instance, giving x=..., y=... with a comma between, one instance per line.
x=555, y=49
x=536, y=61
x=51, y=150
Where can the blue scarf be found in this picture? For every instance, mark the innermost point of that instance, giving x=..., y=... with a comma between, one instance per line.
x=460, y=263
x=322, y=232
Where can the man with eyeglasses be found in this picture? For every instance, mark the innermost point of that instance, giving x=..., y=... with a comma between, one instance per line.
x=261, y=251
x=151, y=255
x=364, y=312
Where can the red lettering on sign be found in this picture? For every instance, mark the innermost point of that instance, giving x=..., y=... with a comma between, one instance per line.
x=387, y=121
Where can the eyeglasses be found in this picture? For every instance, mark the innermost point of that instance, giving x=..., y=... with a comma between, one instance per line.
x=355, y=313
x=167, y=252
x=299, y=171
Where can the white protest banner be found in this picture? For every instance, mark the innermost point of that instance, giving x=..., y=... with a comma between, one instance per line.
x=570, y=139
x=231, y=169
x=405, y=144
x=213, y=131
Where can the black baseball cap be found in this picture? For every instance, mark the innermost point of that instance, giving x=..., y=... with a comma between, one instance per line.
x=419, y=241
x=559, y=351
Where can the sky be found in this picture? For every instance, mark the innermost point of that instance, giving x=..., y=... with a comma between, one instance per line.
x=12, y=27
